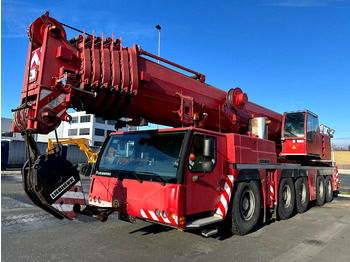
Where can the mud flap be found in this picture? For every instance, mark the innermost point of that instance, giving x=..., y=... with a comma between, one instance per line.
x=53, y=184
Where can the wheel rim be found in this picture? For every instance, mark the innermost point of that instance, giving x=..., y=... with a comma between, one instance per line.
x=329, y=187
x=303, y=193
x=247, y=204
x=320, y=188
x=287, y=196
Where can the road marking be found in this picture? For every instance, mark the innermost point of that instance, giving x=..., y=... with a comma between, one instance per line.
x=308, y=249
x=345, y=219
x=20, y=219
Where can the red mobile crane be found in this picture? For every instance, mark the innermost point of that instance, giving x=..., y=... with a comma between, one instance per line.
x=226, y=160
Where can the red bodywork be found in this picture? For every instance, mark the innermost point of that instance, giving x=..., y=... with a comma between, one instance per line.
x=139, y=200
x=319, y=147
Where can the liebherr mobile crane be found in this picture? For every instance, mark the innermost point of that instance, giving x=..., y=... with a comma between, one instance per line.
x=225, y=161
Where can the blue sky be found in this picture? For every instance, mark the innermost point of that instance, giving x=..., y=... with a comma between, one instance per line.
x=285, y=54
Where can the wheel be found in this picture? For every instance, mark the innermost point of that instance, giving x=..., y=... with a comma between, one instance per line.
x=246, y=207
x=320, y=191
x=286, y=198
x=329, y=189
x=302, y=194
x=84, y=168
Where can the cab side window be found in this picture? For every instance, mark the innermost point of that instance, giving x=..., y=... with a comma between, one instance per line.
x=312, y=126
x=196, y=157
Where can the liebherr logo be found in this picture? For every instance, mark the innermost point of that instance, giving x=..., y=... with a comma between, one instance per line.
x=62, y=187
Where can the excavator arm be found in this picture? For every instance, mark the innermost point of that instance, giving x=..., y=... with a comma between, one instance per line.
x=83, y=144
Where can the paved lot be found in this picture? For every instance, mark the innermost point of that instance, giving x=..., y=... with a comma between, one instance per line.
x=29, y=234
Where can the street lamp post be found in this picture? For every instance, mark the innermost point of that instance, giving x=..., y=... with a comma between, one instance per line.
x=159, y=28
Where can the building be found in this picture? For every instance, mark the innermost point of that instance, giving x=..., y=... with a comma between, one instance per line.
x=6, y=130
x=43, y=138
x=83, y=125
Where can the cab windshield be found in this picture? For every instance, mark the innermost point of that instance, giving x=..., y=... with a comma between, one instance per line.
x=294, y=125
x=146, y=156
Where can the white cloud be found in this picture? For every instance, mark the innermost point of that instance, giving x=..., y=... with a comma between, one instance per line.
x=16, y=16
x=297, y=3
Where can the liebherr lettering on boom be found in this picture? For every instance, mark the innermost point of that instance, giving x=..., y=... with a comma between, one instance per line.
x=226, y=162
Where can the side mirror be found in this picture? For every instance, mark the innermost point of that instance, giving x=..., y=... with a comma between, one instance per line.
x=207, y=166
x=208, y=148
x=208, y=154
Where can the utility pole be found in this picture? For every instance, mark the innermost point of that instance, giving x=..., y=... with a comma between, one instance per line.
x=159, y=28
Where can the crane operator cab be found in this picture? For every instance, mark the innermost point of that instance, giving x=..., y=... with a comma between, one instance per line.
x=302, y=135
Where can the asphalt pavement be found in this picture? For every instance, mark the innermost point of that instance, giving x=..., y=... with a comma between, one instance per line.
x=30, y=234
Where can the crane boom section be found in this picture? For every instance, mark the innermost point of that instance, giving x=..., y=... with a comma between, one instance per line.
x=101, y=77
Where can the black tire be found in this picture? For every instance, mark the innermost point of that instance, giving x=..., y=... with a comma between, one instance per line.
x=84, y=169
x=302, y=194
x=246, y=207
x=320, y=191
x=329, y=189
x=286, y=198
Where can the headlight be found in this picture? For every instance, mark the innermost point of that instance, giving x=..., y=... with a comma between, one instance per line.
x=157, y=213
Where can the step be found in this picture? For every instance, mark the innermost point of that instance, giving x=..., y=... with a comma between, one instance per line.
x=203, y=221
x=209, y=232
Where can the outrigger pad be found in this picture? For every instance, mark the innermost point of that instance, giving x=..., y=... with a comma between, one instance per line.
x=53, y=184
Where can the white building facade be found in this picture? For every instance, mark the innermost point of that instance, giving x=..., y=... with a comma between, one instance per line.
x=6, y=130
x=83, y=125
x=88, y=126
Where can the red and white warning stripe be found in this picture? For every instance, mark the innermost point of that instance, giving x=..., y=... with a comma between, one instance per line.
x=52, y=100
x=35, y=58
x=152, y=216
x=336, y=178
x=67, y=201
x=225, y=197
x=34, y=64
x=272, y=190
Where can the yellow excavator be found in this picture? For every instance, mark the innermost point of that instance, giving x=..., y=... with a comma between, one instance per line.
x=83, y=144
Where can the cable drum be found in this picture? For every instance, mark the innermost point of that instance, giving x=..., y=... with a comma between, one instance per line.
x=19, y=118
x=236, y=99
x=37, y=28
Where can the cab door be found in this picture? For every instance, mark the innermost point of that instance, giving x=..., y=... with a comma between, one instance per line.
x=313, y=136
x=204, y=188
